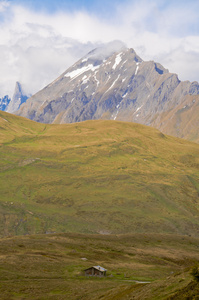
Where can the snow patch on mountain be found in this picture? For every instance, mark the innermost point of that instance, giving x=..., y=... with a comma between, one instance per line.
x=85, y=79
x=138, y=109
x=125, y=95
x=137, y=68
x=118, y=108
x=76, y=73
x=118, y=60
x=123, y=63
x=113, y=83
x=96, y=78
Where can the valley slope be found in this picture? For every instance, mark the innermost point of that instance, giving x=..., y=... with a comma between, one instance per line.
x=52, y=267
x=96, y=177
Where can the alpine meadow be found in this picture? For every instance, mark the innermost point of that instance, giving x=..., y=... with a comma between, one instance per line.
x=123, y=194
x=99, y=150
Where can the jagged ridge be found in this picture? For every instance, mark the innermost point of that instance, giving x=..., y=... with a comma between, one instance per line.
x=111, y=85
x=13, y=104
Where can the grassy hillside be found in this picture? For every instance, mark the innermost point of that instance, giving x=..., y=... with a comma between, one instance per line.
x=96, y=177
x=51, y=267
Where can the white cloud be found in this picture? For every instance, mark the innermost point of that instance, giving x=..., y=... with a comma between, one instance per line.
x=36, y=47
x=34, y=53
x=3, y=6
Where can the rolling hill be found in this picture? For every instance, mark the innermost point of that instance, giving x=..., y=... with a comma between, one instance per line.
x=96, y=177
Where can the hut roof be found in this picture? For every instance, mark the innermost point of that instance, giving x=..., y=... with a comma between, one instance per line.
x=98, y=268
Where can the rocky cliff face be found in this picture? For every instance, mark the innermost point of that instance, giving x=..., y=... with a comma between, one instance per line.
x=13, y=104
x=18, y=98
x=110, y=85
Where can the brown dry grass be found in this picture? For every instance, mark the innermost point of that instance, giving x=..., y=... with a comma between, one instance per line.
x=50, y=266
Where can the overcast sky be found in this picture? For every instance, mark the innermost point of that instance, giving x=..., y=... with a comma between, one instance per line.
x=40, y=39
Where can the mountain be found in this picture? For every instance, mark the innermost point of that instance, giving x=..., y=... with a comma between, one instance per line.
x=96, y=177
x=18, y=98
x=117, y=85
x=4, y=102
x=181, y=120
x=13, y=104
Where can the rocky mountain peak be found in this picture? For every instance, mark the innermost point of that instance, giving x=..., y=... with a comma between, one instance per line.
x=18, y=98
x=18, y=89
x=105, y=51
x=110, y=82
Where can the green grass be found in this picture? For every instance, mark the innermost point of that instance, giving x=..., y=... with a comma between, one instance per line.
x=95, y=176
x=51, y=266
